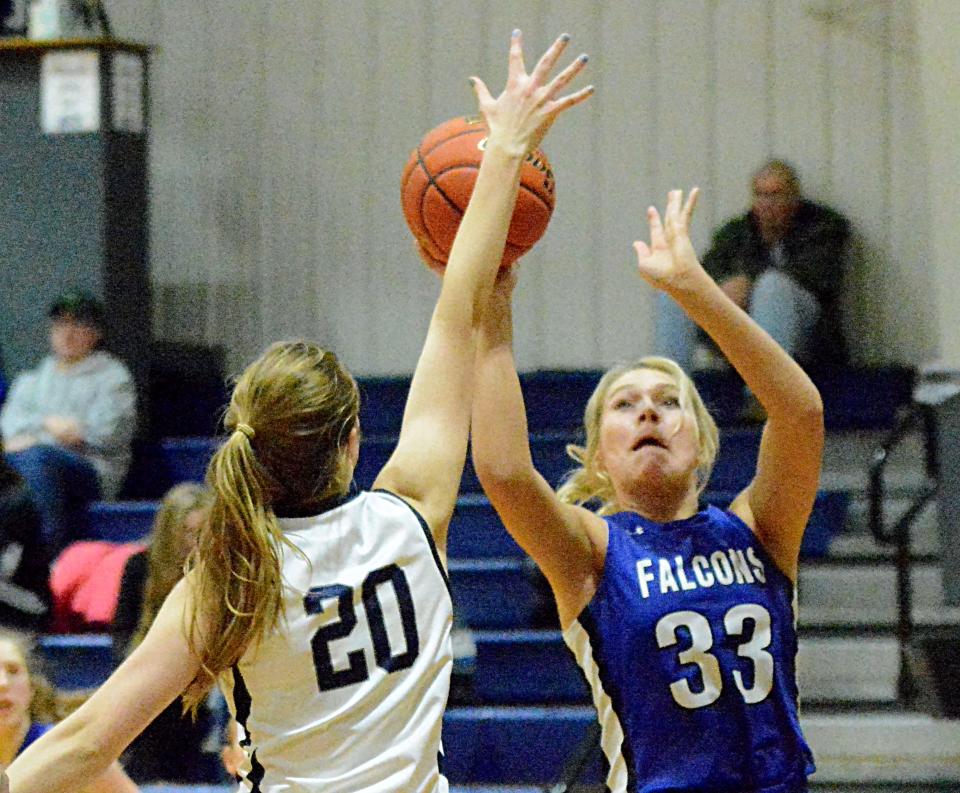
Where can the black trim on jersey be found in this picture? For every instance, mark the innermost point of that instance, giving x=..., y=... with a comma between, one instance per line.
x=427, y=533
x=242, y=702
x=441, y=762
x=596, y=646
x=321, y=509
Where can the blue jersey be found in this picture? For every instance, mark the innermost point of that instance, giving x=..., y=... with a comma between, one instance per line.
x=689, y=647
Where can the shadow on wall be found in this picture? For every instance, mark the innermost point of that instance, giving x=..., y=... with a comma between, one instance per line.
x=217, y=315
x=884, y=321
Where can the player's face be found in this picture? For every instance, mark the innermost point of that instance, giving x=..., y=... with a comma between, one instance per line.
x=72, y=341
x=15, y=689
x=646, y=436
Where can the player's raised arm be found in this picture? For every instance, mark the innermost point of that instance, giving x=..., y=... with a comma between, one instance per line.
x=778, y=502
x=566, y=541
x=428, y=461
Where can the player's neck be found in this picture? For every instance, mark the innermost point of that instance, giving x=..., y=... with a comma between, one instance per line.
x=662, y=505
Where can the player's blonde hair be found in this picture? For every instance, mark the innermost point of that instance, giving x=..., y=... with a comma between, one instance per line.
x=169, y=549
x=290, y=419
x=588, y=484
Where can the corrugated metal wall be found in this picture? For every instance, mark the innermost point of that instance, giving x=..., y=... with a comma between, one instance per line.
x=279, y=130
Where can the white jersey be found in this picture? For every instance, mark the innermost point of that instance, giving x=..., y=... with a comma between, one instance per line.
x=348, y=693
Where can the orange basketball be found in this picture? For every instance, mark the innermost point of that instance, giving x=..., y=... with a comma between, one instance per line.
x=438, y=179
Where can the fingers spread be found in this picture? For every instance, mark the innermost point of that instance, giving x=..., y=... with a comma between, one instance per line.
x=481, y=90
x=572, y=99
x=548, y=59
x=656, y=228
x=516, y=67
x=563, y=79
x=689, y=206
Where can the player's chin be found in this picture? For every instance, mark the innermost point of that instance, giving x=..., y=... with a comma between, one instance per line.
x=658, y=471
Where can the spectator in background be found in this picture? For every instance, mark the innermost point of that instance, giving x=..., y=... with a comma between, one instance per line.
x=147, y=579
x=68, y=424
x=24, y=564
x=31, y=707
x=783, y=263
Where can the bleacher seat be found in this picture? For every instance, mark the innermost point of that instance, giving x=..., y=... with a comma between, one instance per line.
x=510, y=669
x=515, y=745
x=121, y=521
x=475, y=530
x=493, y=593
x=854, y=397
x=77, y=660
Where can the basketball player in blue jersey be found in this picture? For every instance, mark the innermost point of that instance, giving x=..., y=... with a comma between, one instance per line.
x=681, y=618
x=327, y=618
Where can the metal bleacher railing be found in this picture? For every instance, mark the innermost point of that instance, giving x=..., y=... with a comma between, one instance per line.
x=898, y=534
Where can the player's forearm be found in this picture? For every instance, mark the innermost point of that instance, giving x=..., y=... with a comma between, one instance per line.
x=499, y=437
x=777, y=381
x=481, y=237
x=56, y=762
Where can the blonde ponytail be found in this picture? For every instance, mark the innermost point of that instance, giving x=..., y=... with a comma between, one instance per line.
x=289, y=419
x=238, y=581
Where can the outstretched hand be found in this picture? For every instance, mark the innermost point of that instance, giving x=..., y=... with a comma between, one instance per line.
x=669, y=261
x=519, y=118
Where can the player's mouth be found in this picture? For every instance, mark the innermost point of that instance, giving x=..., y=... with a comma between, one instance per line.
x=647, y=442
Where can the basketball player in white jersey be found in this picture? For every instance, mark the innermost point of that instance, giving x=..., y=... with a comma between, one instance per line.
x=327, y=618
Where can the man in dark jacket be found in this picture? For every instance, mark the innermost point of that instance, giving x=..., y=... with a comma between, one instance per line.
x=783, y=262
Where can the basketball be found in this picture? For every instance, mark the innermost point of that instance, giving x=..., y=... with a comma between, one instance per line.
x=438, y=179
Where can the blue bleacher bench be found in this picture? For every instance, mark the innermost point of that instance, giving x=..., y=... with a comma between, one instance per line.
x=475, y=530
x=77, y=660
x=515, y=745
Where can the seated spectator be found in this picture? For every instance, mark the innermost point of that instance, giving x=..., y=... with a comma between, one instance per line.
x=31, y=707
x=783, y=263
x=147, y=579
x=24, y=563
x=68, y=424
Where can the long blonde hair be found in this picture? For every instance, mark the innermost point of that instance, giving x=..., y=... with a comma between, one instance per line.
x=168, y=550
x=289, y=419
x=588, y=484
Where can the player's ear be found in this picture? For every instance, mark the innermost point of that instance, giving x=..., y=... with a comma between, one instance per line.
x=353, y=453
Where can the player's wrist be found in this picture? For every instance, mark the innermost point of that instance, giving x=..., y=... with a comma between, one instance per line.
x=505, y=150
